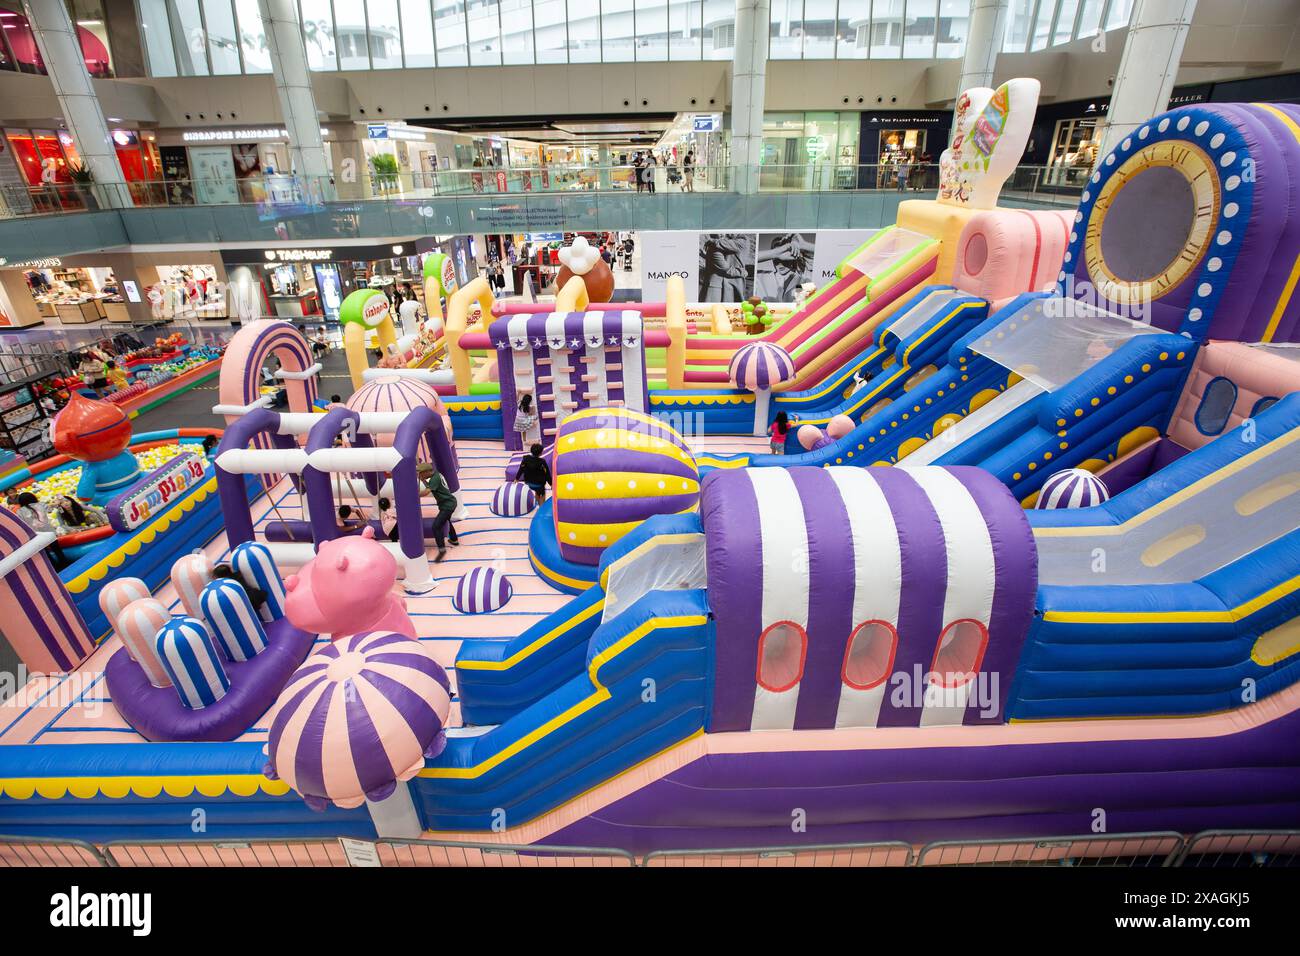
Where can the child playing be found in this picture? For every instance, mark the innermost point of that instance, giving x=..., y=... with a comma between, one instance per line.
x=525, y=418
x=387, y=519
x=436, y=485
x=780, y=428
x=535, y=472
x=116, y=376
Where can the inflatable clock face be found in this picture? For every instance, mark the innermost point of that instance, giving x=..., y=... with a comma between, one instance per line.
x=1152, y=222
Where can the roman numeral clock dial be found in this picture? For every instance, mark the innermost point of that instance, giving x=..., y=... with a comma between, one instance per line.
x=1152, y=222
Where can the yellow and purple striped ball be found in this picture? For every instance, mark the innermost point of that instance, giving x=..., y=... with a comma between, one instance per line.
x=612, y=469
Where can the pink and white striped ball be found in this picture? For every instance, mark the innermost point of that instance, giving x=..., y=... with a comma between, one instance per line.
x=513, y=499
x=1071, y=488
x=482, y=590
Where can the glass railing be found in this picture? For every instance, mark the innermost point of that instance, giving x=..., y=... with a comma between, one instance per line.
x=276, y=195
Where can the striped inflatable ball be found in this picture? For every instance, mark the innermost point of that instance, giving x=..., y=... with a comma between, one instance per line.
x=513, y=499
x=482, y=590
x=360, y=714
x=613, y=469
x=1072, y=488
x=193, y=663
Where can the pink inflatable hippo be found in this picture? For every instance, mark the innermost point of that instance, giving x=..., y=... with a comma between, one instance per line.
x=346, y=589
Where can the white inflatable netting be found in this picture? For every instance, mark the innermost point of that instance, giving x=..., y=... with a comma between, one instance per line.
x=675, y=563
x=1052, y=341
x=886, y=250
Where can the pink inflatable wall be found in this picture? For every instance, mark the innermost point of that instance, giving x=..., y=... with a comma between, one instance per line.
x=1004, y=252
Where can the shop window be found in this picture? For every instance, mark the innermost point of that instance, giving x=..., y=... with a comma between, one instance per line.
x=869, y=655
x=92, y=34
x=22, y=42
x=1217, y=402
x=782, y=649
x=959, y=653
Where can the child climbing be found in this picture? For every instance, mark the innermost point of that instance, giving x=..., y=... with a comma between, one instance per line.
x=525, y=418
x=535, y=472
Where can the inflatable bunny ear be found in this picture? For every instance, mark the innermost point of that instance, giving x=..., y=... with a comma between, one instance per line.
x=988, y=140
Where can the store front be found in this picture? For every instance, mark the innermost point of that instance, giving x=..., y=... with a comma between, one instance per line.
x=1067, y=136
x=78, y=290
x=890, y=138
x=812, y=151
x=223, y=166
x=311, y=283
x=46, y=161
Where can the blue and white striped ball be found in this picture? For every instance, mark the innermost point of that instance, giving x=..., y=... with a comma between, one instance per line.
x=229, y=613
x=1071, y=488
x=192, y=662
x=482, y=590
x=254, y=563
x=513, y=499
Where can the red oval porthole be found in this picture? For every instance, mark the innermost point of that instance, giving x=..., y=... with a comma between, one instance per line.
x=869, y=656
x=959, y=654
x=782, y=649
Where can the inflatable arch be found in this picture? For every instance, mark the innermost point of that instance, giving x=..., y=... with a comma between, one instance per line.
x=45, y=628
x=362, y=311
x=240, y=383
x=439, y=283
x=476, y=290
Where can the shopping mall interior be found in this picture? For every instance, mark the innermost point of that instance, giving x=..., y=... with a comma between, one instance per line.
x=933, y=367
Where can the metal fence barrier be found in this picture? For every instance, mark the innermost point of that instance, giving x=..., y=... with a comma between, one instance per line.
x=1242, y=848
x=225, y=853
x=1101, y=849
x=1210, y=848
x=501, y=856
x=894, y=853
x=22, y=852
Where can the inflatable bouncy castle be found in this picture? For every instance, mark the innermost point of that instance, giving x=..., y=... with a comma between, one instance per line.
x=1032, y=551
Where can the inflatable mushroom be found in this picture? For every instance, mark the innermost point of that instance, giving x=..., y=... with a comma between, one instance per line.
x=358, y=716
x=583, y=259
x=760, y=367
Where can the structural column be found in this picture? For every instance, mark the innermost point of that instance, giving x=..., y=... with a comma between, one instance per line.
x=288, y=50
x=988, y=25
x=1148, y=67
x=748, y=79
x=56, y=38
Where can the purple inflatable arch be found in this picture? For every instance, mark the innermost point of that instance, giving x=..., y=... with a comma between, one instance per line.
x=852, y=597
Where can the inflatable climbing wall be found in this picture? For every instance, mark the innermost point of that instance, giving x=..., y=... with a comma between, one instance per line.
x=567, y=361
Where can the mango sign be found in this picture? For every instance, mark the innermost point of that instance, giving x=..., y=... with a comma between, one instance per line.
x=155, y=491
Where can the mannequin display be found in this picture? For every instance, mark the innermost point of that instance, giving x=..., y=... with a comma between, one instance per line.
x=243, y=296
